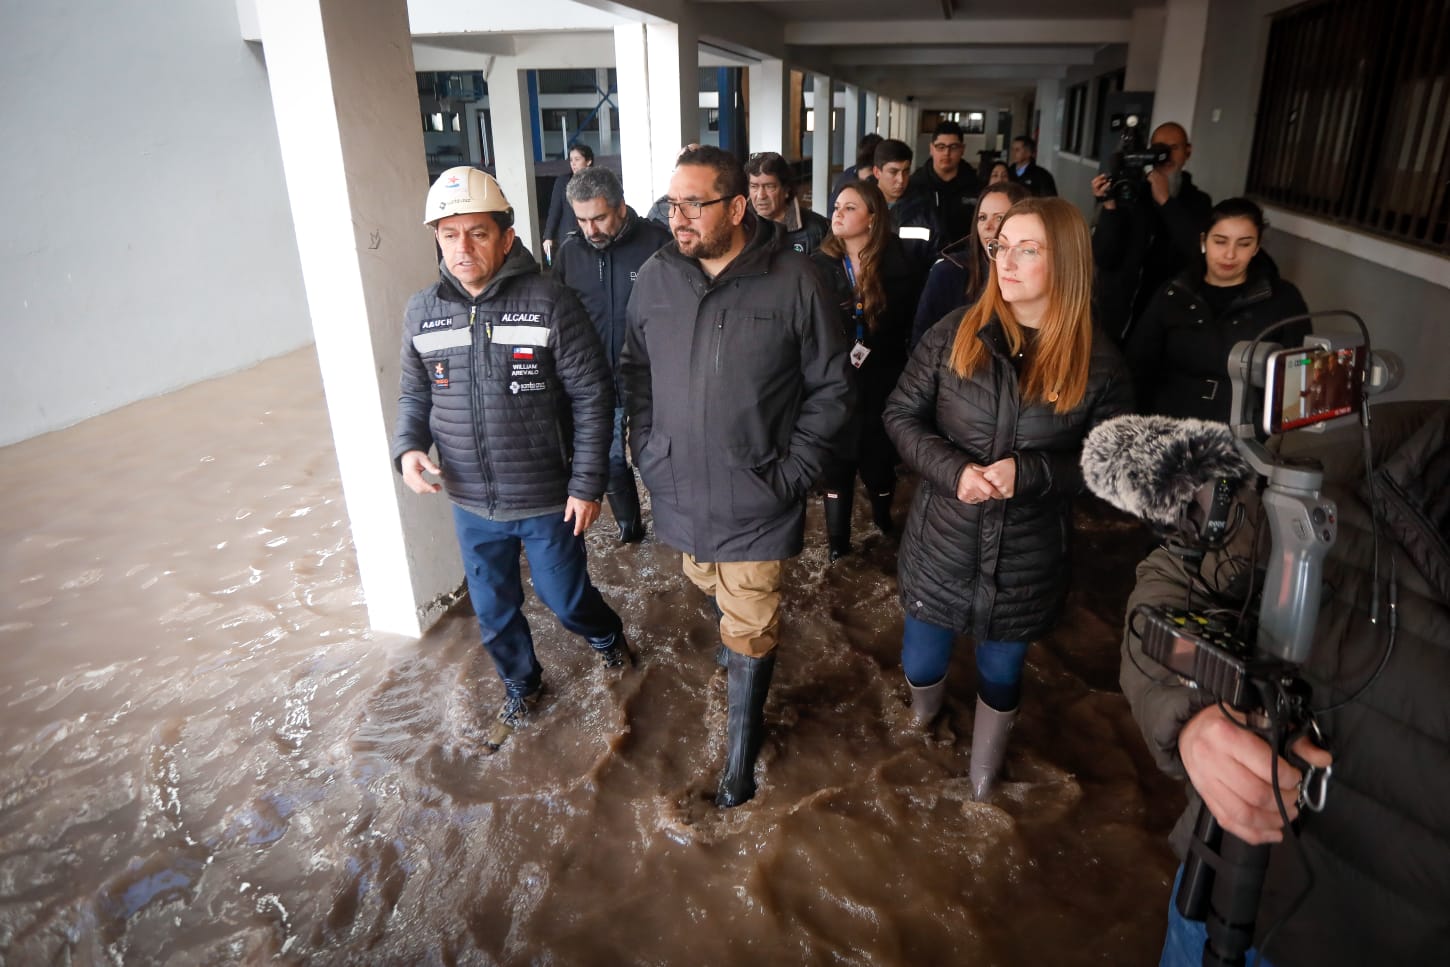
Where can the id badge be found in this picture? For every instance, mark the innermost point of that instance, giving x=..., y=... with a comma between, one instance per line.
x=859, y=352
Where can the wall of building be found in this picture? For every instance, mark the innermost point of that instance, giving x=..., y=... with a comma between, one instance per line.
x=147, y=240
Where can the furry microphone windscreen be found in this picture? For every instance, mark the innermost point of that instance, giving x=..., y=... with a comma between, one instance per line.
x=1152, y=466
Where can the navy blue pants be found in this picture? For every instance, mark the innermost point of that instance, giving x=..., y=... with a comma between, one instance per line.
x=561, y=580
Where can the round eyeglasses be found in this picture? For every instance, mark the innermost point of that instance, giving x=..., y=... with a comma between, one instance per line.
x=1026, y=251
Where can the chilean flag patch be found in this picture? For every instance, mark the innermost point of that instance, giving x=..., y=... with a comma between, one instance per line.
x=523, y=352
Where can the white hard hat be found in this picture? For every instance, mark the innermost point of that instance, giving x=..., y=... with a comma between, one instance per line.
x=464, y=191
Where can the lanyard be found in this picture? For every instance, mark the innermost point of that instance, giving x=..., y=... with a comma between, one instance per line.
x=860, y=313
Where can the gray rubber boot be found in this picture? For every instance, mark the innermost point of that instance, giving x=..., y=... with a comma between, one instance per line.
x=926, y=700
x=990, y=730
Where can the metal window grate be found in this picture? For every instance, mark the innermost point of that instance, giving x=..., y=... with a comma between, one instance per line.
x=1354, y=117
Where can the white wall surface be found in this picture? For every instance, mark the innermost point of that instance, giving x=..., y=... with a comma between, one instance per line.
x=146, y=241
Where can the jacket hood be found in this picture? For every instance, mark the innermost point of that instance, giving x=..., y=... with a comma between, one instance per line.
x=517, y=262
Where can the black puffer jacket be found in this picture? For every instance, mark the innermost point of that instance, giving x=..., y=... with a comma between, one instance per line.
x=1178, y=352
x=603, y=278
x=955, y=201
x=1380, y=850
x=996, y=570
x=736, y=389
x=512, y=387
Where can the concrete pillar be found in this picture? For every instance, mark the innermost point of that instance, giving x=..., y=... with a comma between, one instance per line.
x=769, y=86
x=884, y=119
x=821, y=143
x=1181, y=63
x=508, y=101
x=1049, y=138
x=634, y=116
x=1145, y=44
x=851, y=125
x=606, y=121
x=342, y=82
x=871, y=122
x=674, y=96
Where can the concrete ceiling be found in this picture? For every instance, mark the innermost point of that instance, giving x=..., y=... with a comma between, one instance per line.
x=938, y=53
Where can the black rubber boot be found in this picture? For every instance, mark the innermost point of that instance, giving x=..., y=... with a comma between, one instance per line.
x=881, y=511
x=749, y=681
x=838, y=524
x=624, y=504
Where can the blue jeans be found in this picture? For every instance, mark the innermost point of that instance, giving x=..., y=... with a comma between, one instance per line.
x=560, y=572
x=926, y=651
x=1183, y=945
x=621, y=478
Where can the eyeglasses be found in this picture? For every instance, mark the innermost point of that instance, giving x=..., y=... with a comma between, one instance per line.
x=1026, y=251
x=693, y=209
x=954, y=146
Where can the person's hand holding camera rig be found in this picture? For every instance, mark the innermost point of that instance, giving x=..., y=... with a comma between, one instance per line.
x=1231, y=768
x=1160, y=188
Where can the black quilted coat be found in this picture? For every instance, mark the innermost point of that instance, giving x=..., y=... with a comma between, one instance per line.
x=996, y=570
x=513, y=388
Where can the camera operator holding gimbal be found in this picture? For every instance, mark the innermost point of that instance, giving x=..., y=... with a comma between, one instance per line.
x=1148, y=227
x=1366, y=879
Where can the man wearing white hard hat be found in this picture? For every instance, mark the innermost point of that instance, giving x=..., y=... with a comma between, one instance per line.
x=503, y=373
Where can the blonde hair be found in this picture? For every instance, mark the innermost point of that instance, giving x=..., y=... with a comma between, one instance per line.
x=1056, y=371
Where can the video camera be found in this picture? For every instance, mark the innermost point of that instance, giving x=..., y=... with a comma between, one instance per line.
x=1184, y=475
x=1129, y=166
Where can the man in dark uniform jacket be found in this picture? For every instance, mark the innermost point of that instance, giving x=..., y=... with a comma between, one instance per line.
x=1026, y=171
x=951, y=185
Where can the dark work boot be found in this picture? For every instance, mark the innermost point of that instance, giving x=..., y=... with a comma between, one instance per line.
x=512, y=716
x=881, y=511
x=749, y=681
x=989, y=747
x=624, y=504
x=613, y=651
x=838, y=523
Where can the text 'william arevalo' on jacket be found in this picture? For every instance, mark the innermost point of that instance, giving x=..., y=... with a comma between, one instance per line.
x=995, y=570
x=735, y=389
x=603, y=278
x=1380, y=849
x=511, y=386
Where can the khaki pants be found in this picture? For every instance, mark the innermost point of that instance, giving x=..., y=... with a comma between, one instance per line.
x=748, y=593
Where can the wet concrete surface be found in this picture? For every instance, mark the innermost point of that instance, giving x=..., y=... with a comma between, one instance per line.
x=207, y=758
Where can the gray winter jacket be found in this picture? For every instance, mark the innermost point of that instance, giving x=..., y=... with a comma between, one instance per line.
x=735, y=389
x=513, y=388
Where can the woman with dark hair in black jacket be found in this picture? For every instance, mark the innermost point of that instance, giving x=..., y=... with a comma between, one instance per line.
x=863, y=263
x=1178, y=351
x=958, y=277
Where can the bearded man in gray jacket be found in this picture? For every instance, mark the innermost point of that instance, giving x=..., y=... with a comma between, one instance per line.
x=734, y=374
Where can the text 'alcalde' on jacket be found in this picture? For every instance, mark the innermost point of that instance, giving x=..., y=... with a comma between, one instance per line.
x=513, y=388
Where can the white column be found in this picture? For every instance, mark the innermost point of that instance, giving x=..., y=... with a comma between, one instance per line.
x=821, y=142
x=1145, y=45
x=884, y=119
x=606, y=122
x=634, y=116
x=673, y=66
x=513, y=144
x=851, y=125
x=1181, y=63
x=769, y=86
x=342, y=81
x=871, y=123
x=1049, y=102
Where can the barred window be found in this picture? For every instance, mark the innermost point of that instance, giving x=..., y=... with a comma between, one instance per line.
x=1354, y=117
x=1075, y=122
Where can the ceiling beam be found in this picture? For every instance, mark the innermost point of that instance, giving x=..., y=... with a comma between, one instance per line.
x=837, y=33
x=962, y=54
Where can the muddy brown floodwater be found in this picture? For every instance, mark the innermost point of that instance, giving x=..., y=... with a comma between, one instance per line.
x=208, y=758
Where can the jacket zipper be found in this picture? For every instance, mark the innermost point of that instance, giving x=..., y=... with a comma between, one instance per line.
x=475, y=404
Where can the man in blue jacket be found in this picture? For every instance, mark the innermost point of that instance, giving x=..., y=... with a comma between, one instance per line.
x=503, y=373
x=600, y=262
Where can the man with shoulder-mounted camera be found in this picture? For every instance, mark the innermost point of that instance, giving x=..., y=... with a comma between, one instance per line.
x=1145, y=237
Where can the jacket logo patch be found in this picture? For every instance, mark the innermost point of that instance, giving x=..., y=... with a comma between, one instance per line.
x=440, y=373
x=520, y=317
x=799, y=247
x=633, y=276
x=523, y=352
x=533, y=387
x=435, y=324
